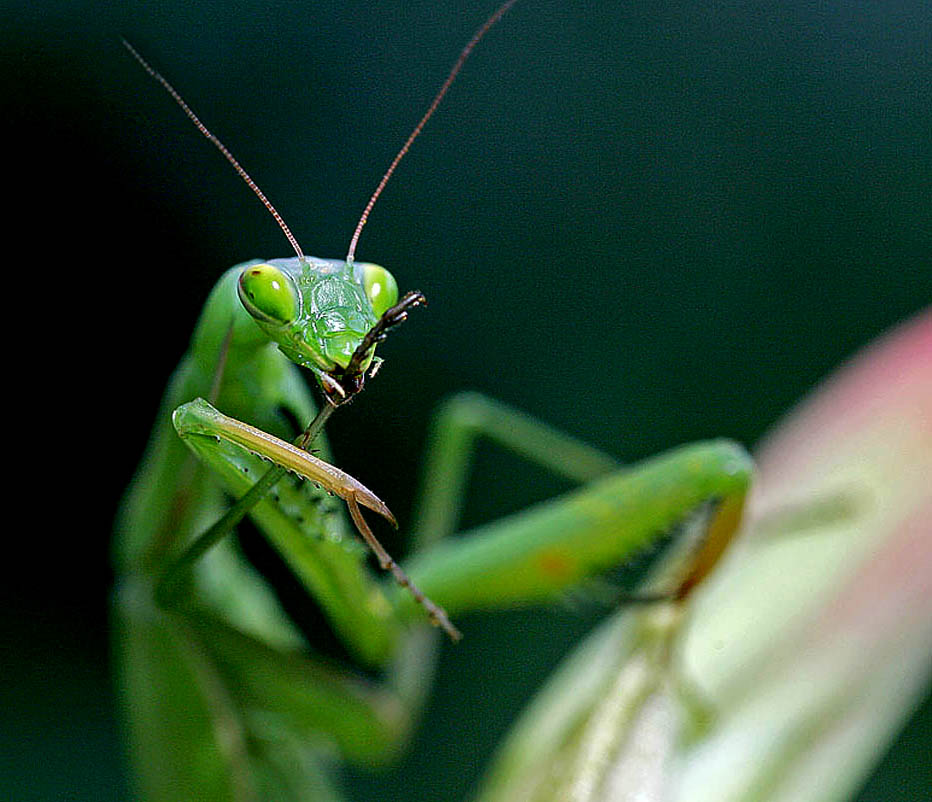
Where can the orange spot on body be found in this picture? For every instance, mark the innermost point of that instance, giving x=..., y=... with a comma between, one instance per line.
x=556, y=565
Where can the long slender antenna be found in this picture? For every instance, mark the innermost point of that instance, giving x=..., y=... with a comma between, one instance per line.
x=220, y=146
x=428, y=114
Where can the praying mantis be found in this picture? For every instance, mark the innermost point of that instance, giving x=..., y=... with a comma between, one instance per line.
x=223, y=699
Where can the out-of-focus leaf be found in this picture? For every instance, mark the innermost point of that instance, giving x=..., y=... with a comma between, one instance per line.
x=814, y=640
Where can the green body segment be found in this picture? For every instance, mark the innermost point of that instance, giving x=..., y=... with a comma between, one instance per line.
x=320, y=703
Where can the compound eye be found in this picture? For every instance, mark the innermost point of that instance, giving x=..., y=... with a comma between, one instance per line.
x=269, y=294
x=380, y=286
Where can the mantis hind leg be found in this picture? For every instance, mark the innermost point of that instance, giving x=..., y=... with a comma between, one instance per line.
x=533, y=556
x=457, y=427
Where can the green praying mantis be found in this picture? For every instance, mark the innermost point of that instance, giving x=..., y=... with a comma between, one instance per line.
x=222, y=697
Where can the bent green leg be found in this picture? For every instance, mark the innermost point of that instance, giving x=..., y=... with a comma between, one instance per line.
x=534, y=555
x=455, y=430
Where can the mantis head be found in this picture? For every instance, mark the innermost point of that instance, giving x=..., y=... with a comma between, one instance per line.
x=326, y=315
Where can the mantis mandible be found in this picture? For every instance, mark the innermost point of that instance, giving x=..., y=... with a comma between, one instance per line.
x=224, y=701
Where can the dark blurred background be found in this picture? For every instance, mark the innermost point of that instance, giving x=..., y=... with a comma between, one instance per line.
x=643, y=222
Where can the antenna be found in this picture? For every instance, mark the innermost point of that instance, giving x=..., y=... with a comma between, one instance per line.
x=220, y=146
x=464, y=54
